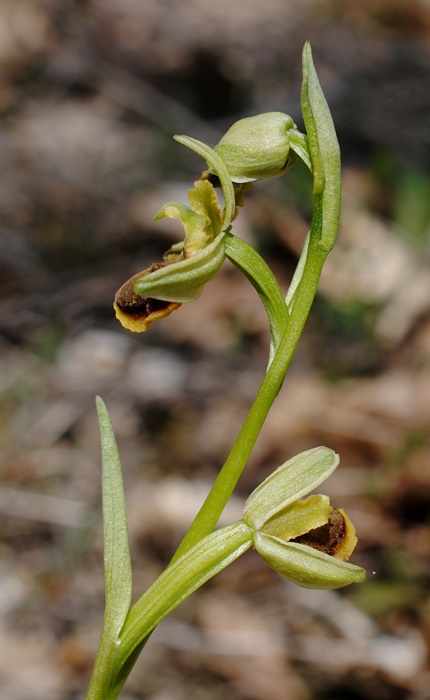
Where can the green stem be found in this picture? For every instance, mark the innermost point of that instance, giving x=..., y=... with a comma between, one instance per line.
x=223, y=487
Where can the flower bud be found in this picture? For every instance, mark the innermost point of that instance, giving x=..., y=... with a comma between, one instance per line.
x=257, y=147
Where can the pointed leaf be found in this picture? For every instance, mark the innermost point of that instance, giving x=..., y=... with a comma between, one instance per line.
x=324, y=149
x=117, y=563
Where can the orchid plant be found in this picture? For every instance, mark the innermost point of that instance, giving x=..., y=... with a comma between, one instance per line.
x=307, y=541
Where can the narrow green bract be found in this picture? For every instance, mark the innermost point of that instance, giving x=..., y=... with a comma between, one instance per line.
x=117, y=563
x=324, y=150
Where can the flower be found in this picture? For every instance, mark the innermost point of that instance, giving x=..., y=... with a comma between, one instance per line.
x=253, y=148
x=307, y=541
x=187, y=266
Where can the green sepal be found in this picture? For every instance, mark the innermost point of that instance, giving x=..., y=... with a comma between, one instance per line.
x=299, y=143
x=306, y=566
x=292, y=480
x=183, y=281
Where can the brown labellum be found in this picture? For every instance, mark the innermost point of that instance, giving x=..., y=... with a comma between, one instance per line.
x=329, y=537
x=136, y=313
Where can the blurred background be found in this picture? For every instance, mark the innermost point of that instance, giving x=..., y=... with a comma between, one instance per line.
x=91, y=93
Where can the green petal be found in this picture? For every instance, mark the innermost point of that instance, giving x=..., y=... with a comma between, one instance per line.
x=202, y=222
x=183, y=281
x=195, y=224
x=291, y=481
x=203, y=200
x=299, y=518
x=306, y=566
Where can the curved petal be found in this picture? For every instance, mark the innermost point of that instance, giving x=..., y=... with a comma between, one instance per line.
x=202, y=222
x=195, y=224
x=203, y=200
x=299, y=517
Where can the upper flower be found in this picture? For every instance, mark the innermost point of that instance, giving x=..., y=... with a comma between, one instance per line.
x=307, y=541
x=186, y=266
x=252, y=149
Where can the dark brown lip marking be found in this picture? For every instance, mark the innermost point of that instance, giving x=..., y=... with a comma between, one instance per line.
x=328, y=537
x=132, y=304
x=135, y=312
x=135, y=305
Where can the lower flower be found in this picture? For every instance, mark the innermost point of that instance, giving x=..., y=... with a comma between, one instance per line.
x=307, y=541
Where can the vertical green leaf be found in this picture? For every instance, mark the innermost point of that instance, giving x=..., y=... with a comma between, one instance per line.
x=117, y=563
